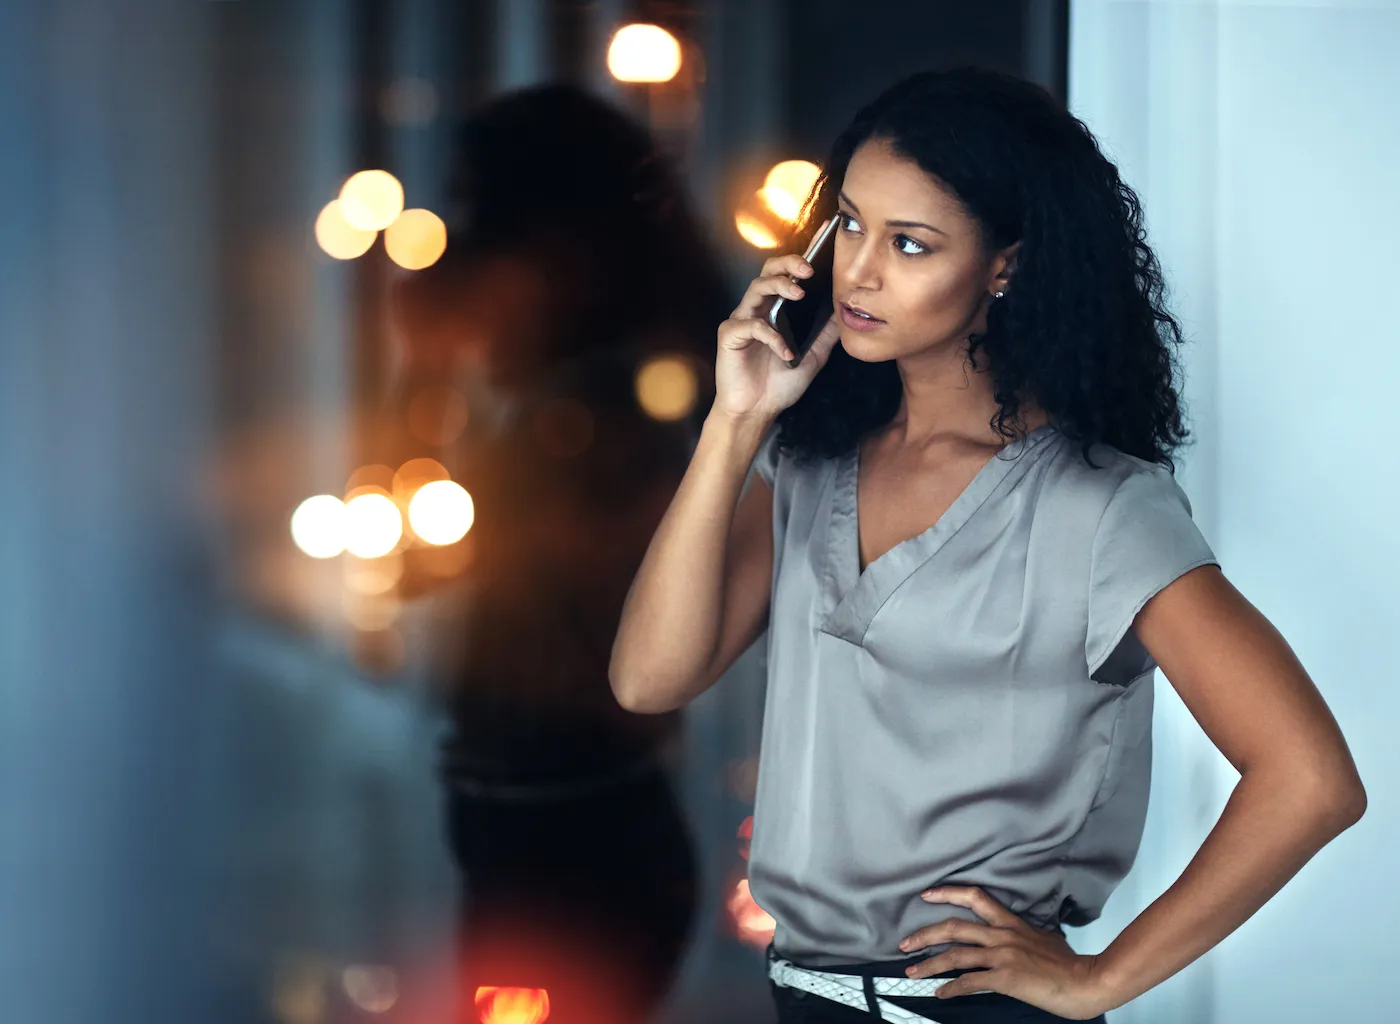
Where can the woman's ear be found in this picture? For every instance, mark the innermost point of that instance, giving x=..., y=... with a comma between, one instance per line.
x=1006, y=260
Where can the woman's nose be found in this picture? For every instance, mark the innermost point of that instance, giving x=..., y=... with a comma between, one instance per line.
x=861, y=273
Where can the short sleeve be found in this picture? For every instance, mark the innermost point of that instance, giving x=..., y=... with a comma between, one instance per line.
x=1145, y=539
x=765, y=463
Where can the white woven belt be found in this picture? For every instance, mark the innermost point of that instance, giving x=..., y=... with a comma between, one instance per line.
x=850, y=989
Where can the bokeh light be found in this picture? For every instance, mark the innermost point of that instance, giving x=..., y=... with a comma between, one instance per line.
x=794, y=180
x=780, y=201
x=370, y=613
x=374, y=476
x=372, y=989
x=507, y=1005
x=666, y=387
x=299, y=989
x=374, y=525
x=417, y=239
x=742, y=778
x=752, y=925
x=644, y=53
x=754, y=231
x=337, y=237
x=373, y=575
x=413, y=474
x=371, y=200
x=319, y=526
x=441, y=512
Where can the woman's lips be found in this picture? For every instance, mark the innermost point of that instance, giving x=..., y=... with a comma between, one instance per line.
x=856, y=322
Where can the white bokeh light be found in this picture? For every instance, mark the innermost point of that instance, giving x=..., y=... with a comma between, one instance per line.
x=374, y=525
x=644, y=53
x=319, y=526
x=441, y=512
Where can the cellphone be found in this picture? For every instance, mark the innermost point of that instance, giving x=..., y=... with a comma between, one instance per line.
x=799, y=321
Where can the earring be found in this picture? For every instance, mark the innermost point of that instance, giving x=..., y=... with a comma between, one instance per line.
x=998, y=295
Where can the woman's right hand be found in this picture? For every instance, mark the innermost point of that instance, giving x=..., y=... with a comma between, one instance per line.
x=752, y=377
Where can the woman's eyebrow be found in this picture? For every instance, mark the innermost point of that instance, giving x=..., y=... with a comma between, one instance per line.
x=894, y=223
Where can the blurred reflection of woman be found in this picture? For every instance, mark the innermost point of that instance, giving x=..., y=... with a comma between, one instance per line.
x=572, y=259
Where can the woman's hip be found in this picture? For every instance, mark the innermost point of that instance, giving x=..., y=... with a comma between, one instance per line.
x=879, y=990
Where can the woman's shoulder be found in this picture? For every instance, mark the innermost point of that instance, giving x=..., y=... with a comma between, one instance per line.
x=1115, y=478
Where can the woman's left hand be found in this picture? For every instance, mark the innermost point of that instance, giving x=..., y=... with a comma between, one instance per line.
x=1020, y=961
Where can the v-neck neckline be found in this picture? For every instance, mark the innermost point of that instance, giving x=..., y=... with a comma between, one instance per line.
x=854, y=595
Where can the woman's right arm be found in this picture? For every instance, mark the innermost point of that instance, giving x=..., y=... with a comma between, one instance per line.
x=701, y=594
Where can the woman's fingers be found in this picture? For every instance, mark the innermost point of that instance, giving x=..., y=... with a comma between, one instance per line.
x=737, y=332
x=776, y=279
x=790, y=264
x=757, y=297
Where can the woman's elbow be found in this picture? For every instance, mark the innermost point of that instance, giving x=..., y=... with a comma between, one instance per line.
x=635, y=695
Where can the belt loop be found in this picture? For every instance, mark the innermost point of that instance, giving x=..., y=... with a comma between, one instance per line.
x=868, y=983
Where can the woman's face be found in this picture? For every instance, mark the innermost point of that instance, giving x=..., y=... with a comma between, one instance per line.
x=908, y=254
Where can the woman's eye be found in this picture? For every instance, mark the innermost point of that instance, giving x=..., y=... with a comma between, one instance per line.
x=901, y=240
x=846, y=219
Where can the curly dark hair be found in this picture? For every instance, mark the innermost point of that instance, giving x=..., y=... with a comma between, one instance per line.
x=1084, y=330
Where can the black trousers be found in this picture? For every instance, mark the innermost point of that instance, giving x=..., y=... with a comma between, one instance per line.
x=591, y=898
x=798, y=1007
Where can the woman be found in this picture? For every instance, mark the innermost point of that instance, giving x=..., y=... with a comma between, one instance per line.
x=572, y=259
x=969, y=550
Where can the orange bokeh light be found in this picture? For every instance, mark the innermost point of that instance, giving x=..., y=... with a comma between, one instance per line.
x=416, y=239
x=754, y=231
x=752, y=925
x=337, y=237
x=511, y=1005
x=371, y=200
x=787, y=185
x=666, y=387
x=413, y=474
x=745, y=836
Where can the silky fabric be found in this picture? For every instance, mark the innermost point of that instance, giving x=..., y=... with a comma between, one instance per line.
x=971, y=709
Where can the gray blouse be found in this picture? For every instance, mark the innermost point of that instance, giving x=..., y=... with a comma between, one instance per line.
x=972, y=709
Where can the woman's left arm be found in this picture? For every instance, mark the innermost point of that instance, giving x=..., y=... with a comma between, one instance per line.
x=1298, y=789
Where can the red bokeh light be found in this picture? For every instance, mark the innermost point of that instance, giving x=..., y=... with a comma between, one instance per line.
x=745, y=835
